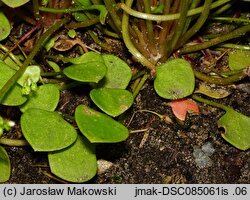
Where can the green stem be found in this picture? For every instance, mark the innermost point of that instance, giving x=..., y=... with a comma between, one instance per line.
x=110, y=5
x=12, y=56
x=30, y=57
x=234, y=34
x=99, y=42
x=150, y=30
x=127, y=40
x=13, y=142
x=140, y=84
x=51, y=74
x=83, y=24
x=196, y=27
x=180, y=25
x=235, y=46
x=170, y=17
x=220, y=81
x=194, y=4
x=230, y=19
x=36, y=9
x=206, y=101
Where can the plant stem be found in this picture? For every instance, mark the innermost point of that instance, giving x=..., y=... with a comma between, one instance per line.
x=230, y=19
x=170, y=17
x=127, y=40
x=206, y=101
x=83, y=24
x=235, y=46
x=196, y=27
x=110, y=5
x=140, y=84
x=37, y=26
x=30, y=57
x=12, y=56
x=220, y=81
x=179, y=27
x=234, y=34
x=13, y=142
x=99, y=42
x=150, y=30
x=36, y=9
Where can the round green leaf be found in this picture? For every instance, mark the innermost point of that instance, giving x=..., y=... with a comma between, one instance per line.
x=14, y=96
x=98, y=127
x=118, y=73
x=112, y=101
x=46, y=131
x=238, y=59
x=46, y=98
x=15, y=3
x=4, y=26
x=76, y=163
x=237, y=129
x=174, y=79
x=4, y=165
x=86, y=72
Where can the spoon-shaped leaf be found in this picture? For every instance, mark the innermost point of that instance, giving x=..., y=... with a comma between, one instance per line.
x=98, y=127
x=46, y=131
x=4, y=26
x=237, y=128
x=14, y=96
x=112, y=101
x=118, y=73
x=4, y=165
x=76, y=163
x=46, y=98
x=174, y=79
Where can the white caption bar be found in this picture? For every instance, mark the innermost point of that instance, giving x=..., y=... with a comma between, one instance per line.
x=126, y=191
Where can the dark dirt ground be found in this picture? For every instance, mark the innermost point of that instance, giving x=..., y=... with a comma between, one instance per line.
x=162, y=154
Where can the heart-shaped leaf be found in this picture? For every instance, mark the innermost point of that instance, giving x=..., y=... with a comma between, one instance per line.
x=174, y=79
x=46, y=131
x=14, y=96
x=4, y=26
x=237, y=128
x=76, y=163
x=98, y=127
x=89, y=67
x=112, y=101
x=118, y=73
x=46, y=98
x=4, y=165
x=15, y=3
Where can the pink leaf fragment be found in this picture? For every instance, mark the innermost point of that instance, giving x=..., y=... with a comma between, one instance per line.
x=180, y=107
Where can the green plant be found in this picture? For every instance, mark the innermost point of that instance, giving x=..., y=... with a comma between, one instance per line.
x=143, y=26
